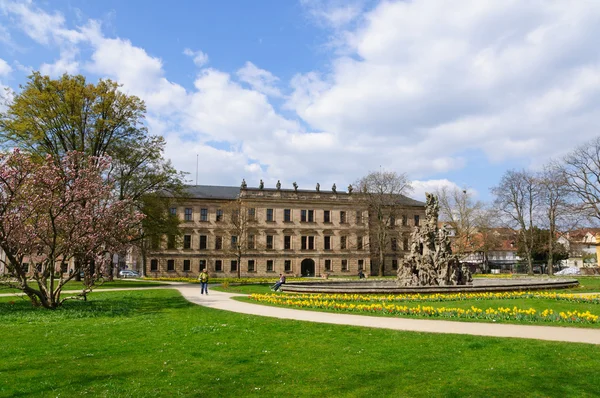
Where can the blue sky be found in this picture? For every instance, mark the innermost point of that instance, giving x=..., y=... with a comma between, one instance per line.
x=452, y=93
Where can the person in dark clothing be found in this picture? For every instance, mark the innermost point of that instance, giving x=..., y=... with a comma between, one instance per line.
x=280, y=282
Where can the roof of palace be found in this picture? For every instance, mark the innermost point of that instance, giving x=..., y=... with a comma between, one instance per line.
x=230, y=193
x=212, y=192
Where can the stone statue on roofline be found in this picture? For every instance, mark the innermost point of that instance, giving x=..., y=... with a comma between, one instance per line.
x=350, y=189
x=333, y=188
x=318, y=187
x=295, y=186
x=244, y=186
x=278, y=186
x=430, y=261
x=261, y=184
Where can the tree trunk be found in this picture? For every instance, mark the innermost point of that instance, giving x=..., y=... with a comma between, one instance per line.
x=239, y=265
x=485, y=263
x=111, y=271
x=551, y=257
x=143, y=250
x=552, y=218
x=78, y=269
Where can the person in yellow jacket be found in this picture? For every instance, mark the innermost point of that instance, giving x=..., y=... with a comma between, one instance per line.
x=203, y=277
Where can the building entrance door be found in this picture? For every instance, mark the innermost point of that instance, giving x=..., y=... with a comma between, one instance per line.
x=374, y=268
x=307, y=267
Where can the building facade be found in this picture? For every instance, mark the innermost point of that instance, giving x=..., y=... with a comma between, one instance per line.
x=494, y=251
x=583, y=246
x=294, y=232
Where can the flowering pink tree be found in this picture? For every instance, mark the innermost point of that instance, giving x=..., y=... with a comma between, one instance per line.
x=53, y=213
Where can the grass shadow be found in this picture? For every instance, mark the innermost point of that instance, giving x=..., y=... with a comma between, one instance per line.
x=104, y=305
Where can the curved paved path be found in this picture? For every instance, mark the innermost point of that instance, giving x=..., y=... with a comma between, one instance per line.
x=223, y=301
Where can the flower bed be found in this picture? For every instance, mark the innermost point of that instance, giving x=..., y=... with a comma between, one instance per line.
x=385, y=305
x=594, y=299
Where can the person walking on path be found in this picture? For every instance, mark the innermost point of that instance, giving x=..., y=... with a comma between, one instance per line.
x=203, y=277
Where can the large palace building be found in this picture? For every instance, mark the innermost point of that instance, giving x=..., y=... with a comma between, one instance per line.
x=289, y=231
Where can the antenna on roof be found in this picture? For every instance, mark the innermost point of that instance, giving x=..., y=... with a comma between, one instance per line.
x=196, y=169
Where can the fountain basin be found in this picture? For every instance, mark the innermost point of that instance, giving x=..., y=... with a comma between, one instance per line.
x=390, y=287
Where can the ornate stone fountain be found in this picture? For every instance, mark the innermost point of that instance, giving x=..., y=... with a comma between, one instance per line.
x=430, y=261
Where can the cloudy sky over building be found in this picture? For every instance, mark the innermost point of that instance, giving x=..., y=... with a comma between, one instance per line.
x=450, y=92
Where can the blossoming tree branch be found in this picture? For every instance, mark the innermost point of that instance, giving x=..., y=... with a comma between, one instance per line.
x=59, y=211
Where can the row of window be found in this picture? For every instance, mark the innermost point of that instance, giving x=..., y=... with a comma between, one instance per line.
x=305, y=216
x=218, y=265
x=251, y=265
x=307, y=242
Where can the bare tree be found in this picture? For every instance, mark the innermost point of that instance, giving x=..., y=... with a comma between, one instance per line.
x=556, y=203
x=382, y=192
x=581, y=169
x=462, y=212
x=488, y=237
x=517, y=199
x=239, y=219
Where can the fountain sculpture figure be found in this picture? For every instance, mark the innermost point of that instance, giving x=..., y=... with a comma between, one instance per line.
x=430, y=261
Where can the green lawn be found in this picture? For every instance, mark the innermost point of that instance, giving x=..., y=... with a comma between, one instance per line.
x=116, y=284
x=154, y=343
x=586, y=284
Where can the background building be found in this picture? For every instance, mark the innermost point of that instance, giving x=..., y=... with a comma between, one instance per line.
x=583, y=247
x=291, y=231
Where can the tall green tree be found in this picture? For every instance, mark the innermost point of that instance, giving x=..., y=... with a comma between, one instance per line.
x=55, y=116
x=142, y=174
x=545, y=249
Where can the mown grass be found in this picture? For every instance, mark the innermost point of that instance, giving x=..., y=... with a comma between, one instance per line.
x=154, y=343
x=586, y=284
x=75, y=285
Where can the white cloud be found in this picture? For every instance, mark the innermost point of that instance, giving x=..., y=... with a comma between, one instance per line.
x=259, y=79
x=140, y=73
x=431, y=186
x=5, y=35
x=200, y=59
x=5, y=68
x=65, y=64
x=412, y=86
x=224, y=111
x=428, y=80
x=6, y=93
x=334, y=13
x=216, y=166
x=39, y=25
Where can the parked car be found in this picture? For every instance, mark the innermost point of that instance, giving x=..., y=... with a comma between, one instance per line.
x=128, y=274
x=569, y=271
